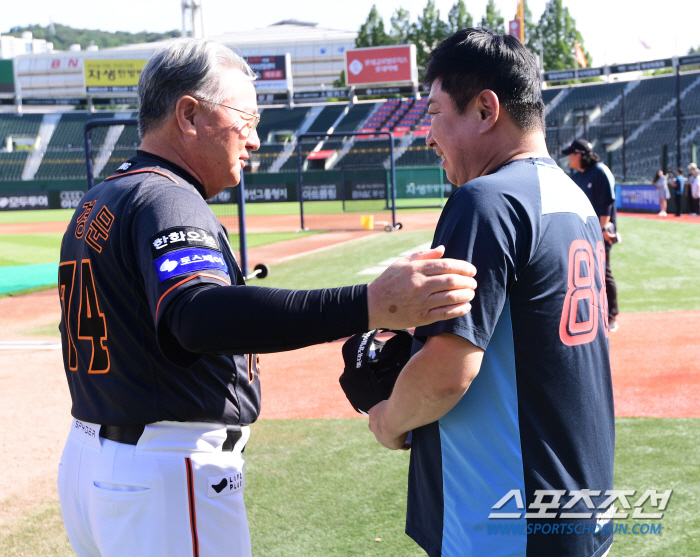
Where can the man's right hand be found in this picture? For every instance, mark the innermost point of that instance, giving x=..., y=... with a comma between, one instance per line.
x=420, y=290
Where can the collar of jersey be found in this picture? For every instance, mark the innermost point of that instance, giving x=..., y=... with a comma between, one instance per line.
x=539, y=161
x=181, y=172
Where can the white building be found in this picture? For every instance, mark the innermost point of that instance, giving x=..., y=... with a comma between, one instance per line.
x=317, y=57
x=10, y=46
x=318, y=54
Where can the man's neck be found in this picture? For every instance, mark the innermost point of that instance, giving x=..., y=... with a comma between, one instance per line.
x=530, y=145
x=153, y=144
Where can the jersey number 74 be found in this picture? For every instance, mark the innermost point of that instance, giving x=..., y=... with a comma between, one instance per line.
x=91, y=324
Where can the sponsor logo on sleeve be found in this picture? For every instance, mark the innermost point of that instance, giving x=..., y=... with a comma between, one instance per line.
x=180, y=237
x=188, y=260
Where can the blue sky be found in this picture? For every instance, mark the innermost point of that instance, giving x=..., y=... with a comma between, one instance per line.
x=611, y=30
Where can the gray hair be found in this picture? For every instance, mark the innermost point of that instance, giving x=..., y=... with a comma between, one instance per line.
x=184, y=66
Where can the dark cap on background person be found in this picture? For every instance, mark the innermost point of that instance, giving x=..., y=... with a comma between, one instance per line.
x=578, y=146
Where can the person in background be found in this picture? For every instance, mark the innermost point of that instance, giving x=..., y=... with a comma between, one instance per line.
x=694, y=189
x=661, y=184
x=598, y=183
x=678, y=184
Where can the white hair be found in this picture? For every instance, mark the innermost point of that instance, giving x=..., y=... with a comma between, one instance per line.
x=184, y=66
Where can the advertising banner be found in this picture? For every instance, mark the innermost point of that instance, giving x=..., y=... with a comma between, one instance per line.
x=514, y=28
x=321, y=95
x=641, y=66
x=21, y=201
x=7, y=77
x=383, y=64
x=66, y=199
x=637, y=197
x=54, y=101
x=581, y=73
x=685, y=60
x=274, y=72
x=113, y=76
x=254, y=194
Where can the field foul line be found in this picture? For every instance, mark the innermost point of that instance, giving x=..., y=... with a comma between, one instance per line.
x=383, y=265
x=324, y=248
x=30, y=345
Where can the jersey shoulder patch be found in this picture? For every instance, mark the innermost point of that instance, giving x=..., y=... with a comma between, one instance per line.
x=179, y=237
x=188, y=260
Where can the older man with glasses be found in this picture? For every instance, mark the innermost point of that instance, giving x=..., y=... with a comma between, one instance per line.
x=160, y=335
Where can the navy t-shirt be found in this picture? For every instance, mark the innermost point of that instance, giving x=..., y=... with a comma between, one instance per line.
x=598, y=183
x=539, y=415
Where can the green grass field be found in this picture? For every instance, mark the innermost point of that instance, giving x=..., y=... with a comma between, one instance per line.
x=656, y=267
x=31, y=249
x=311, y=208
x=327, y=488
x=321, y=488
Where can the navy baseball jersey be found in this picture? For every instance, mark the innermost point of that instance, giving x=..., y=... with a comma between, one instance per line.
x=539, y=414
x=598, y=183
x=139, y=240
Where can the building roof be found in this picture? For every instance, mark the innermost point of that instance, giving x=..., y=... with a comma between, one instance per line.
x=288, y=32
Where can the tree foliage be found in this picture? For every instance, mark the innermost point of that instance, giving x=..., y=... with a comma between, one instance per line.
x=493, y=20
x=62, y=36
x=459, y=18
x=428, y=32
x=559, y=32
x=554, y=33
x=532, y=35
x=372, y=31
x=401, y=26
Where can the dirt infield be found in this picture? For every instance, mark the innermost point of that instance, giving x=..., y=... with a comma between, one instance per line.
x=655, y=361
x=269, y=223
x=33, y=227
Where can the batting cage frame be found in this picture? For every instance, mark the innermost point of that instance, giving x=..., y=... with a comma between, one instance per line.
x=388, y=227
x=392, y=183
x=260, y=270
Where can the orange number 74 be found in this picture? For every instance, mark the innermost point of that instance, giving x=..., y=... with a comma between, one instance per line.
x=91, y=322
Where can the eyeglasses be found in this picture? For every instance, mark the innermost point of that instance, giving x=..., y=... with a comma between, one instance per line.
x=252, y=124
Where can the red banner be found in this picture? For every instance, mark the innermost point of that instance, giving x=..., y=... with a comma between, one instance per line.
x=514, y=28
x=390, y=64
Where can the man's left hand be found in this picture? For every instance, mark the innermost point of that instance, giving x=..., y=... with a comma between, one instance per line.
x=607, y=236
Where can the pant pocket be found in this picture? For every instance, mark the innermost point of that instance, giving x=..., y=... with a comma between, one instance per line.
x=111, y=487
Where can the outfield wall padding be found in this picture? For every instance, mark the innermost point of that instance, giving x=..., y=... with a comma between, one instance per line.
x=411, y=183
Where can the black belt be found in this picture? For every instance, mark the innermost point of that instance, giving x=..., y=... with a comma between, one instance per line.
x=130, y=434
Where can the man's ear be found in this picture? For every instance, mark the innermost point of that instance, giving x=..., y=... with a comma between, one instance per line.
x=186, y=111
x=488, y=108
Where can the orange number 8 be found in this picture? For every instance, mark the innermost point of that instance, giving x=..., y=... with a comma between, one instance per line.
x=581, y=289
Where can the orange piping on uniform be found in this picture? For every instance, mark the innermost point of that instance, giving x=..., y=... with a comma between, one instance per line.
x=169, y=290
x=168, y=176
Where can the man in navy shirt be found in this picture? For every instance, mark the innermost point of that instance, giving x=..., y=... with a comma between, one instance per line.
x=598, y=183
x=510, y=406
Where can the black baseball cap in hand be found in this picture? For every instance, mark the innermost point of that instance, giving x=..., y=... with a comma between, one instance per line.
x=578, y=146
